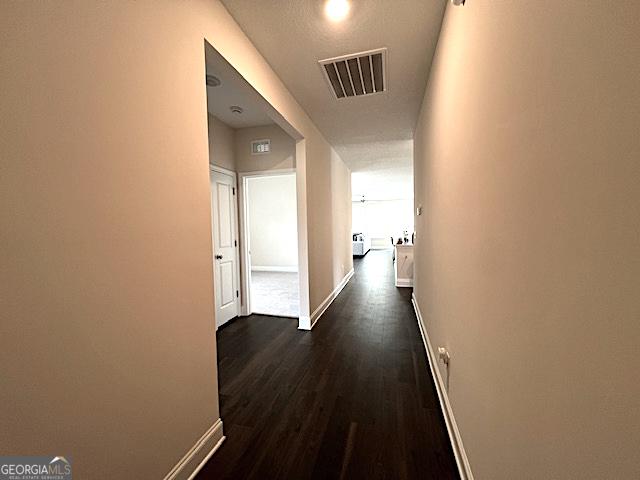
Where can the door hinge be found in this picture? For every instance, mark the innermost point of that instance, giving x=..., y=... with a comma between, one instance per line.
x=233, y=190
x=235, y=243
x=237, y=294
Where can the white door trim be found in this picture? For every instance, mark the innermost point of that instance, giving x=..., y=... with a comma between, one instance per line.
x=216, y=168
x=231, y=173
x=267, y=173
x=244, y=229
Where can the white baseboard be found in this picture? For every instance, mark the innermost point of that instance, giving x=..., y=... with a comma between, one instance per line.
x=464, y=468
x=307, y=323
x=404, y=282
x=259, y=268
x=304, y=323
x=193, y=461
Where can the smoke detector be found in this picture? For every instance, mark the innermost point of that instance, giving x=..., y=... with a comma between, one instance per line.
x=212, y=81
x=236, y=109
x=357, y=74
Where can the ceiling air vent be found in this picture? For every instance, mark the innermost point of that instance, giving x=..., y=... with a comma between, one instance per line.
x=358, y=74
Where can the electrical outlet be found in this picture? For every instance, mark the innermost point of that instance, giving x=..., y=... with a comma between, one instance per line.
x=443, y=355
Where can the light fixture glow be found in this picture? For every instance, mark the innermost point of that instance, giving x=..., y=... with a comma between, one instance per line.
x=337, y=10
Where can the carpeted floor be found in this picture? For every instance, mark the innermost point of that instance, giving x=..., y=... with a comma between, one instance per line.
x=275, y=293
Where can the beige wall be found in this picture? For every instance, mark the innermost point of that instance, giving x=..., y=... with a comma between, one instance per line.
x=273, y=221
x=527, y=255
x=341, y=220
x=329, y=221
x=107, y=340
x=221, y=144
x=282, y=154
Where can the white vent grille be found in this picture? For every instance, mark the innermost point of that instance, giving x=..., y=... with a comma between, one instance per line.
x=358, y=74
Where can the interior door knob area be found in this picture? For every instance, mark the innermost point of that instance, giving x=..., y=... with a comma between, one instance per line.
x=218, y=257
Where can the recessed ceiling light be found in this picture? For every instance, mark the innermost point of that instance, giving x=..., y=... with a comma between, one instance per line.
x=213, y=81
x=337, y=10
x=236, y=109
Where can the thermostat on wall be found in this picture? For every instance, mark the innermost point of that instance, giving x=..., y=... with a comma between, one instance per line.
x=258, y=147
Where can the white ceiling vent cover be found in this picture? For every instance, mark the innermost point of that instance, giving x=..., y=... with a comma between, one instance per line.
x=358, y=74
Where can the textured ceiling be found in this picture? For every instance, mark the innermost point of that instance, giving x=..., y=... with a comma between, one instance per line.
x=370, y=133
x=390, y=176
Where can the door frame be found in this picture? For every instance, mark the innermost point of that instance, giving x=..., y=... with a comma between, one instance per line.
x=234, y=175
x=214, y=59
x=245, y=266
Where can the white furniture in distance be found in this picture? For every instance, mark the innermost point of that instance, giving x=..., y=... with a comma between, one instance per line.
x=404, y=265
x=361, y=247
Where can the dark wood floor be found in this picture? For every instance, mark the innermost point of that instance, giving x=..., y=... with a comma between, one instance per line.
x=352, y=399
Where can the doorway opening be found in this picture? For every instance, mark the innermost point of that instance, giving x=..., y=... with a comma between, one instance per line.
x=271, y=250
x=383, y=217
x=258, y=201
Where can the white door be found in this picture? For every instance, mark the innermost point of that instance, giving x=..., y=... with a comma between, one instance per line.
x=225, y=259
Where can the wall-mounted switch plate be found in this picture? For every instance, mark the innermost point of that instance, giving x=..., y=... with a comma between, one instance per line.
x=443, y=355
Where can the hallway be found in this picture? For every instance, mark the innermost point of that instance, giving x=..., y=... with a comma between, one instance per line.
x=351, y=399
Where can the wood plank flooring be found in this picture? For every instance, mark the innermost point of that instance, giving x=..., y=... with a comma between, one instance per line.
x=352, y=399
